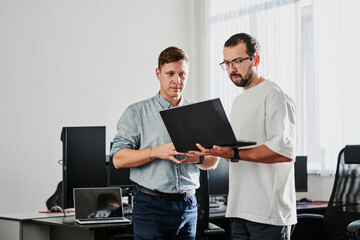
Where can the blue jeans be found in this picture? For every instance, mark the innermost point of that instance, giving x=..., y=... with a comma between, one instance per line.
x=161, y=218
x=245, y=230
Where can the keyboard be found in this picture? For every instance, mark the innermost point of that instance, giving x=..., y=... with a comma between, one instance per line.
x=103, y=221
x=218, y=209
x=98, y=219
x=127, y=209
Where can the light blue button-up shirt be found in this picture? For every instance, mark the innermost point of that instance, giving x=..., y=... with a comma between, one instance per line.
x=141, y=126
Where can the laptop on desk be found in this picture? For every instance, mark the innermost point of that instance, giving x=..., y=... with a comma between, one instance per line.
x=99, y=205
x=203, y=122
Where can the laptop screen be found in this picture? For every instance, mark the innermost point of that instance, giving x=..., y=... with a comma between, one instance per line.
x=93, y=203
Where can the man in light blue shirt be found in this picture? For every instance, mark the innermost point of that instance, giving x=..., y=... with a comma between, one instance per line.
x=165, y=205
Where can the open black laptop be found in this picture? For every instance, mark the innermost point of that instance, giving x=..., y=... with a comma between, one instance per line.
x=203, y=122
x=99, y=205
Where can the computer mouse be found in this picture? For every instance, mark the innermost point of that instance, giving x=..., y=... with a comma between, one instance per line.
x=56, y=209
x=305, y=199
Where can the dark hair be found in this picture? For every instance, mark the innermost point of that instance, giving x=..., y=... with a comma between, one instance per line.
x=252, y=45
x=171, y=54
x=104, y=199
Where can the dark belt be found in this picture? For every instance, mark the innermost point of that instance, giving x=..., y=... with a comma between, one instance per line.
x=171, y=196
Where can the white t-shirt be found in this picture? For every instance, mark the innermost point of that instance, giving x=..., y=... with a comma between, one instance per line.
x=259, y=192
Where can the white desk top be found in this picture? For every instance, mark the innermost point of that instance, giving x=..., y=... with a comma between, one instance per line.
x=24, y=216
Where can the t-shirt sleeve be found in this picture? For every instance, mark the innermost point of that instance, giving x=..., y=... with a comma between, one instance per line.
x=281, y=124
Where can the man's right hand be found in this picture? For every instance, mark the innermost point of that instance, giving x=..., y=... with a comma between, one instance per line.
x=224, y=152
x=165, y=151
x=134, y=158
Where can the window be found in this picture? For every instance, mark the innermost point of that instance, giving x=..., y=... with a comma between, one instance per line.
x=310, y=49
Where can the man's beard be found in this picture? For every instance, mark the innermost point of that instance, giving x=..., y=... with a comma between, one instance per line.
x=245, y=81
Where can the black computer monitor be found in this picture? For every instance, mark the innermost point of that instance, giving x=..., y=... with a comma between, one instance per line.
x=84, y=163
x=301, y=181
x=219, y=179
x=119, y=177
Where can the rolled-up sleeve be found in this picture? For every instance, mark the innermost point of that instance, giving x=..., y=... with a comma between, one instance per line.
x=127, y=132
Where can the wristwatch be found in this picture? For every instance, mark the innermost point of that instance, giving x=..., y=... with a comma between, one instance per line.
x=236, y=156
x=201, y=160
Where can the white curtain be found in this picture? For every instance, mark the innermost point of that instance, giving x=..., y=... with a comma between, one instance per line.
x=311, y=49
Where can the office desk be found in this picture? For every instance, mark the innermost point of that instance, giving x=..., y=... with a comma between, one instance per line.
x=219, y=212
x=32, y=226
x=14, y=226
x=311, y=208
x=36, y=226
x=217, y=216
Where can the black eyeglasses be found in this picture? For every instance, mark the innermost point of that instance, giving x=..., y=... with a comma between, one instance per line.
x=235, y=63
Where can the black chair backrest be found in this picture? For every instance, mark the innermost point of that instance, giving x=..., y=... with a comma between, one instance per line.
x=56, y=198
x=202, y=195
x=344, y=203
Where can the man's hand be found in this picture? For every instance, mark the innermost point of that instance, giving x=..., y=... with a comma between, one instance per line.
x=193, y=157
x=224, y=152
x=165, y=151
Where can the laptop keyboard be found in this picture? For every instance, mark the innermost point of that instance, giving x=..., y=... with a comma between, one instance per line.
x=127, y=209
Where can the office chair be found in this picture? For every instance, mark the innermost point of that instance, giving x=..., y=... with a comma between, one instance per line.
x=56, y=198
x=309, y=226
x=343, y=207
x=353, y=230
x=204, y=227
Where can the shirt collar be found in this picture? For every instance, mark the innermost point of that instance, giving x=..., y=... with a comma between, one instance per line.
x=165, y=104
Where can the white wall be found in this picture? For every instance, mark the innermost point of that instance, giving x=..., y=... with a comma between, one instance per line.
x=75, y=63
x=80, y=63
x=319, y=187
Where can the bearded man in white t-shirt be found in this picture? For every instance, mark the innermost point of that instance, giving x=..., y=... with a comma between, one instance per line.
x=261, y=197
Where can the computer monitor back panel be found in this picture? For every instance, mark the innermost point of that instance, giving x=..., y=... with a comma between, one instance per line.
x=84, y=162
x=219, y=179
x=119, y=177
